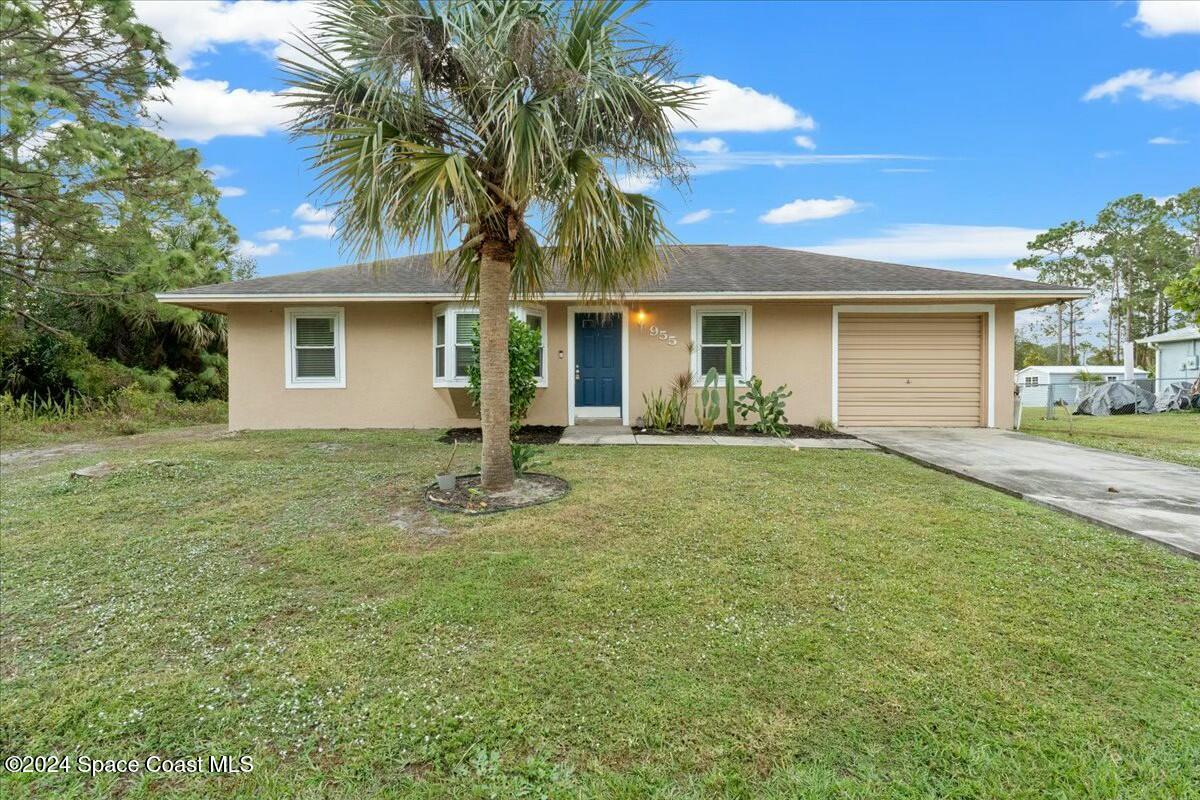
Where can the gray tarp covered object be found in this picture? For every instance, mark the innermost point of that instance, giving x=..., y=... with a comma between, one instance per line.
x=1175, y=396
x=1115, y=398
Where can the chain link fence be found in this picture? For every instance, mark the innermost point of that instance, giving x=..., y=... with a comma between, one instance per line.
x=1145, y=395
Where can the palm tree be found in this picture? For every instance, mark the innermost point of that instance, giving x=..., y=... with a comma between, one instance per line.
x=460, y=126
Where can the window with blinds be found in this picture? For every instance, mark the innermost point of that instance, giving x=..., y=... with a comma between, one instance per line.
x=456, y=326
x=315, y=340
x=439, y=346
x=716, y=329
x=466, y=327
x=535, y=321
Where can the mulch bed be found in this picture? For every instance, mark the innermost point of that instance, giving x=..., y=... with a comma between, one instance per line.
x=529, y=434
x=530, y=489
x=796, y=432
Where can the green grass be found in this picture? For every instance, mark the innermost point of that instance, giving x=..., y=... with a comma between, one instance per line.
x=1174, y=436
x=688, y=622
x=44, y=430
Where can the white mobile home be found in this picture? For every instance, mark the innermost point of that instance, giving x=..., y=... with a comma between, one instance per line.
x=1062, y=382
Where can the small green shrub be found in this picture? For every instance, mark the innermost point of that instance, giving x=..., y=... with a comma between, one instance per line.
x=767, y=406
x=524, y=358
x=525, y=457
x=825, y=425
x=657, y=411
x=663, y=413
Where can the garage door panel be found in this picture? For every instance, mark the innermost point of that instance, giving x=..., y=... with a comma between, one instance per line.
x=907, y=369
x=913, y=369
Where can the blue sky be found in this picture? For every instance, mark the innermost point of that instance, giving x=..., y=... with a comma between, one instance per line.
x=937, y=134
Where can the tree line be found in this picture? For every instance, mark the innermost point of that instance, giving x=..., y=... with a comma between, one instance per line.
x=1141, y=257
x=99, y=212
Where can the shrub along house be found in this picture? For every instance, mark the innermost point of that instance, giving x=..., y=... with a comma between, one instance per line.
x=858, y=342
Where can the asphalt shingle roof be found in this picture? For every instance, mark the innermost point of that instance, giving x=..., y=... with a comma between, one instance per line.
x=731, y=269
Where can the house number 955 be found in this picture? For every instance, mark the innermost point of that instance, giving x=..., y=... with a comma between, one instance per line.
x=659, y=333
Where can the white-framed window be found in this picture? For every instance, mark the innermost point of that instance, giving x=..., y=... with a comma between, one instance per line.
x=712, y=327
x=455, y=324
x=536, y=319
x=314, y=348
x=1031, y=380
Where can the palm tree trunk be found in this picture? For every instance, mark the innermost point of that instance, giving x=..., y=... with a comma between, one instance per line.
x=495, y=285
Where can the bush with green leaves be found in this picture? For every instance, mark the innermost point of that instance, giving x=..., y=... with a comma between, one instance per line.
x=663, y=413
x=524, y=358
x=768, y=406
x=525, y=457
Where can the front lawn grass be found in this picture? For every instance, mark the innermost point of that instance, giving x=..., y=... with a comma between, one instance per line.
x=1172, y=436
x=688, y=622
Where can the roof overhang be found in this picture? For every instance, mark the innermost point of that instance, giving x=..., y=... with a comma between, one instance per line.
x=1023, y=298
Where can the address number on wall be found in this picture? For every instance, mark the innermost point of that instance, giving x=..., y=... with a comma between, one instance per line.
x=659, y=333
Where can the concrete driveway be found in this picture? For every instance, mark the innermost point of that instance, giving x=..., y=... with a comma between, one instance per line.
x=1151, y=499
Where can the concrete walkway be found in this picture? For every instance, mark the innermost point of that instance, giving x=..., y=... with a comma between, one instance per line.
x=1151, y=499
x=607, y=433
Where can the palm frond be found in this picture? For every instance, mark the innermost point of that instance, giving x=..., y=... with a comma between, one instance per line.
x=448, y=124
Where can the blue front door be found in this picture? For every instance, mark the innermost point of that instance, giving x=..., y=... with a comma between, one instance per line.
x=598, y=360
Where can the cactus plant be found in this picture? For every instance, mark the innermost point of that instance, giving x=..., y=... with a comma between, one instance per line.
x=729, y=399
x=708, y=402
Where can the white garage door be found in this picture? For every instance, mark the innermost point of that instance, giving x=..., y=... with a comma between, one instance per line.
x=911, y=369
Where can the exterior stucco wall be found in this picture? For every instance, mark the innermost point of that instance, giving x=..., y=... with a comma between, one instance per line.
x=1003, y=393
x=389, y=373
x=790, y=343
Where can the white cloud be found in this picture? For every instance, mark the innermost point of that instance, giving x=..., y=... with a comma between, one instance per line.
x=706, y=164
x=1167, y=17
x=1106, y=154
x=251, y=250
x=805, y=210
x=729, y=107
x=925, y=242
x=218, y=171
x=281, y=234
x=1166, y=87
x=806, y=142
x=200, y=26
x=635, y=183
x=231, y=191
x=38, y=139
x=307, y=212
x=201, y=110
x=1166, y=140
x=710, y=145
x=696, y=216
x=318, y=230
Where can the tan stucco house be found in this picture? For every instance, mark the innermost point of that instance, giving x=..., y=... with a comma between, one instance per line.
x=858, y=342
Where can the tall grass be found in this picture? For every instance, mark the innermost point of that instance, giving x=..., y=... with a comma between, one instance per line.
x=32, y=419
x=33, y=408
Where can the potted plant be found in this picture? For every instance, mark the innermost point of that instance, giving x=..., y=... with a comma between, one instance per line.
x=447, y=480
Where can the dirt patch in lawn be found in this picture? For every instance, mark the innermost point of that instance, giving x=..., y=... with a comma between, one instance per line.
x=36, y=456
x=794, y=432
x=468, y=497
x=529, y=434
